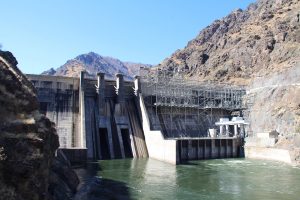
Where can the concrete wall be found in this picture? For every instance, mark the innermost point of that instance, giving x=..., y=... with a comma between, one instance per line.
x=59, y=101
x=158, y=147
x=263, y=147
x=198, y=149
x=264, y=153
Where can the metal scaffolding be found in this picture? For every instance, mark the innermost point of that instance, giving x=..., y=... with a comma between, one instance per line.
x=187, y=108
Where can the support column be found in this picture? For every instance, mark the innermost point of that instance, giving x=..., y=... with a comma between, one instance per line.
x=227, y=130
x=132, y=144
x=235, y=130
x=178, y=150
x=101, y=92
x=137, y=85
x=81, y=140
x=189, y=150
x=200, y=149
x=207, y=147
x=120, y=109
x=234, y=148
x=100, y=89
x=222, y=148
x=242, y=131
x=120, y=88
x=213, y=148
x=221, y=130
x=219, y=148
x=110, y=140
x=228, y=149
x=121, y=141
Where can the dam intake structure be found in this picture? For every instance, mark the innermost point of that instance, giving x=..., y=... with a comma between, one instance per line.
x=159, y=115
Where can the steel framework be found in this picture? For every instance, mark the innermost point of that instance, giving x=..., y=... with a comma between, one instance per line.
x=187, y=108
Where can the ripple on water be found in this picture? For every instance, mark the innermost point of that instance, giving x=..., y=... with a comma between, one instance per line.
x=209, y=179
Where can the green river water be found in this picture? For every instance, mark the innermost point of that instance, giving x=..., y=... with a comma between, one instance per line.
x=220, y=179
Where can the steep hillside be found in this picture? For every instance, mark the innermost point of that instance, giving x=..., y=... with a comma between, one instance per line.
x=94, y=63
x=245, y=44
x=258, y=47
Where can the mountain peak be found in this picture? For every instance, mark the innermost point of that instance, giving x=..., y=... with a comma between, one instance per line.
x=51, y=71
x=93, y=63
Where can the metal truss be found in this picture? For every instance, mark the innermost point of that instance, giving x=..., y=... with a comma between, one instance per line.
x=184, y=107
x=173, y=89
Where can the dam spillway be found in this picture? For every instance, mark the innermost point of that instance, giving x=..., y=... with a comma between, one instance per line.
x=112, y=131
x=158, y=116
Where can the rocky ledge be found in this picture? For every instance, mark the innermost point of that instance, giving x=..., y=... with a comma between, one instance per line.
x=28, y=142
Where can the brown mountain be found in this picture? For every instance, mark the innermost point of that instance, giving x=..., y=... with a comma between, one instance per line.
x=259, y=40
x=93, y=63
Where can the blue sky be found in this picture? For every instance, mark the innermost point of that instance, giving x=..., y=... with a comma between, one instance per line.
x=45, y=34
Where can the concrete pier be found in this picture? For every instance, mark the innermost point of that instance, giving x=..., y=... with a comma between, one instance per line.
x=120, y=111
x=120, y=88
x=81, y=139
x=101, y=92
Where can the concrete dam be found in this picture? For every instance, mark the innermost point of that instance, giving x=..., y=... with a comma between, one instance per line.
x=158, y=115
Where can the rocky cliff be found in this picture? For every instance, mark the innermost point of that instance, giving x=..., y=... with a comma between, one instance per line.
x=258, y=47
x=93, y=63
x=27, y=138
x=243, y=45
x=28, y=142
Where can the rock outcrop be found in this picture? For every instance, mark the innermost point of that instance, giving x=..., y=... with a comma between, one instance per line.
x=63, y=181
x=258, y=47
x=92, y=63
x=258, y=41
x=27, y=138
x=28, y=141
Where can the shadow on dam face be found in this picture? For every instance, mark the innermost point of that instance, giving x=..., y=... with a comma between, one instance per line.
x=104, y=144
x=105, y=154
x=126, y=143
